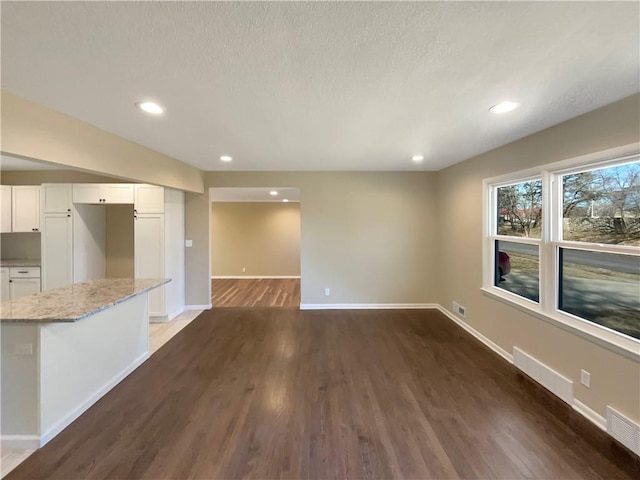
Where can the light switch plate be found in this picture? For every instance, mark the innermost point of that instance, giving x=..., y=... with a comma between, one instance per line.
x=188, y=243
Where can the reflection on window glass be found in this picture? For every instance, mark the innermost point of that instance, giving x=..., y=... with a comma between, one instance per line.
x=603, y=206
x=520, y=209
x=603, y=288
x=517, y=269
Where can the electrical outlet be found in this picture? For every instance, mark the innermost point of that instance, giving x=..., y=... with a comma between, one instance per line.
x=244, y=269
x=327, y=292
x=585, y=378
x=459, y=309
x=23, y=349
x=188, y=243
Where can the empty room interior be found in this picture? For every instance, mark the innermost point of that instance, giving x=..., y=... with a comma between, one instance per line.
x=320, y=240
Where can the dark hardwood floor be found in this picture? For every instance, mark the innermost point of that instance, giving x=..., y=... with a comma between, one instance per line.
x=255, y=292
x=283, y=393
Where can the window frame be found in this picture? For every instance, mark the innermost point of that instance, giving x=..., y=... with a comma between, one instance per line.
x=549, y=245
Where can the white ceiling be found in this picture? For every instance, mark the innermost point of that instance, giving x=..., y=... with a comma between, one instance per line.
x=321, y=85
x=8, y=162
x=241, y=194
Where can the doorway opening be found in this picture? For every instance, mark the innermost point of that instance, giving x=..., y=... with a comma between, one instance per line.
x=255, y=247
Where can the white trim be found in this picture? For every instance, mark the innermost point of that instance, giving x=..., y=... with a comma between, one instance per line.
x=25, y=442
x=597, y=419
x=80, y=409
x=197, y=307
x=178, y=312
x=367, y=306
x=489, y=343
x=606, y=337
x=222, y=277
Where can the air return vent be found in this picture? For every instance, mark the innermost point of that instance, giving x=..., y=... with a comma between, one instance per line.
x=624, y=430
x=548, y=378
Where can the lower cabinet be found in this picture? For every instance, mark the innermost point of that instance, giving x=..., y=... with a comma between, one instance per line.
x=4, y=283
x=19, y=282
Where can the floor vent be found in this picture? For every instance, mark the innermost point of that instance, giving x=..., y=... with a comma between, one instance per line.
x=545, y=376
x=624, y=430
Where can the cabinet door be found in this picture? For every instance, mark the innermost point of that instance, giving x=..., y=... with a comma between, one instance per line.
x=57, y=250
x=25, y=208
x=4, y=284
x=21, y=287
x=149, y=199
x=149, y=256
x=56, y=197
x=118, y=192
x=87, y=193
x=5, y=208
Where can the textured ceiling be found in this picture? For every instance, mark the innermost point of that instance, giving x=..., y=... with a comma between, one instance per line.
x=321, y=86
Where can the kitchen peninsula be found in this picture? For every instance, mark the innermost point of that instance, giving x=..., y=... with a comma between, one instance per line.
x=63, y=349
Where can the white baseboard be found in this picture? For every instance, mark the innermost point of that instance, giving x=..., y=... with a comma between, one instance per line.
x=80, y=409
x=198, y=307
x=178, y=312
x=23, y=442
x=493, y=346
x=248, y=277
x=366, y=306
x=590, y=414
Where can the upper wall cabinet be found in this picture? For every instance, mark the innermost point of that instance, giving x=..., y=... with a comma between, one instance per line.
x=56, y=197
x=5, y=208
x=103, y=193
x=149, y=199
x=25, y=208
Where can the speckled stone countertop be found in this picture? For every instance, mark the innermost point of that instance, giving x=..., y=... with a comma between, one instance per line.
x=20, y=262
x=75, y=302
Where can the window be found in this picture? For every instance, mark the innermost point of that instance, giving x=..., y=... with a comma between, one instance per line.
x=564, y=241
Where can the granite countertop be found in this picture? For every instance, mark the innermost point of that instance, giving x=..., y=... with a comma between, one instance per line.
x=75, y=302
x=20, y=262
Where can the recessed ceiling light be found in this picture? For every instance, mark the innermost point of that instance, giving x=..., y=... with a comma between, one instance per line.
x=150, y=107
x=504, y=107
x=285, y=200
x=417, y=158
x=226, y=158
x=273, y=193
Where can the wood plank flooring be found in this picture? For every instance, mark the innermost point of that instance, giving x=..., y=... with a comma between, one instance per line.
x=255, y=292
x=284, y=393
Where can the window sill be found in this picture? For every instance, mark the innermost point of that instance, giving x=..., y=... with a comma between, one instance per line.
x=602, y=336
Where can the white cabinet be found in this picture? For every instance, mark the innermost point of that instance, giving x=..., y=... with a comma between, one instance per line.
x=150, y=256
x=4, y=284
x=56, y=197
x=25, y=208
x=5, y=209
x=22, y=281
x=103, y=193
x=57, y=250
x=21, y=287
x=148, y=199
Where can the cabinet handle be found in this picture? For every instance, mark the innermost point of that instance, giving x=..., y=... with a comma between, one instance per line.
x=68, y=209
x=68, y=215
x=10, y=281
x=23, y=271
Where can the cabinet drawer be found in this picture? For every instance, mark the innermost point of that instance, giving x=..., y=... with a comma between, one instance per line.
x=26, y=272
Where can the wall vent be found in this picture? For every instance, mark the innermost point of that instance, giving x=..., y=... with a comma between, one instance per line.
x=545, y=376
x=624, y=430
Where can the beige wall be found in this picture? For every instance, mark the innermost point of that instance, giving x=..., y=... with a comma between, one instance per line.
x=38, y=177
x=264, y=238
x=35, y=131
x=20, y=245
x=368, y=236
x=615, y=380
x=119, y=241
